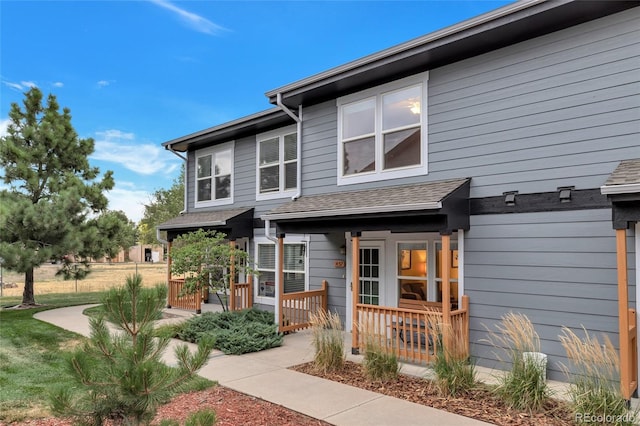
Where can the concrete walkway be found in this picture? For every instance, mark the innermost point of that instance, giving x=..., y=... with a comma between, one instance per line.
x=266, y=375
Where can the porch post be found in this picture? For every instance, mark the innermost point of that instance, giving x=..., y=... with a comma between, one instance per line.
x=280, y=281
x=168, y=261
x=232, y=277
x=170, y=292
x=446, y=278
x=445, y=263
x=355, y=290
x=623, y=314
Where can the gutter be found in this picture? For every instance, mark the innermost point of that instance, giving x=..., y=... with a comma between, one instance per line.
x=630, y=188
x=353, y=211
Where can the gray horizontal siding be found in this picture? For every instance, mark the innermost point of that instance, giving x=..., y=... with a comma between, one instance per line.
x=324, y=250
x=558, y=268
x=557, y=110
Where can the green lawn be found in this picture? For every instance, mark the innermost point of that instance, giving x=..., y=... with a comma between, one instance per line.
x=32, y=356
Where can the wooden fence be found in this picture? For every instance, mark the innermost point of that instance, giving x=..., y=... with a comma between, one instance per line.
x=296, y=307
x=411, y=333
x=241, y=296
x=190, y=302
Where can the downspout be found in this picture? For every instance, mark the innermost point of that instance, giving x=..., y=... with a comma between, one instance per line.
x=298, y=120
x=276, y=306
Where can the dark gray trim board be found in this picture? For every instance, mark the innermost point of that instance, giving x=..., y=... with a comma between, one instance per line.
x=581, y=199
x=625, y=210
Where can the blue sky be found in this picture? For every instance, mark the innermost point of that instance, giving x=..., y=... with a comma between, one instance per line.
x=139, y=73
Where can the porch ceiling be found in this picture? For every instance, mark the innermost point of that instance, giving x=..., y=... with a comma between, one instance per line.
x=439, y=206
x=235, y=223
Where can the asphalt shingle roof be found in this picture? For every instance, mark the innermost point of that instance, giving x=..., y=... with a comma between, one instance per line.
x=208, y=218
x=384, y=198
x=627, y=173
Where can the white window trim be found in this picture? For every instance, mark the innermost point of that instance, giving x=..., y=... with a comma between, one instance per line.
x=228, y=146
x=290, y=239
x=377, y=92
x=281, y=193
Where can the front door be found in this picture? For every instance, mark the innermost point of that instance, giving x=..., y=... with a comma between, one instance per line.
x=370, y=290
x=371, y=260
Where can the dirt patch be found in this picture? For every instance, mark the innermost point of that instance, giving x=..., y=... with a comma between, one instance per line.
x=103, y=276
x=479, y=404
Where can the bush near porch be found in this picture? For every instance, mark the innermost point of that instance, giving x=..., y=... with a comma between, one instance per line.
x=235, y=332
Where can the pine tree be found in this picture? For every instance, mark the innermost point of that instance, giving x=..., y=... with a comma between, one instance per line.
x=52, y=189
x=120, y=374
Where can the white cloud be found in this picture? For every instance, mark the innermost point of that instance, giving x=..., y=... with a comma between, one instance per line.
x=194, y=21
x=4, y=124
x=104, y=83
x=121, y=148
x=23, y=85
x=58, y=84
x=130, y=201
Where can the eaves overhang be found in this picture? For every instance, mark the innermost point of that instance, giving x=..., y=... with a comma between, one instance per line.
x=246, y=126
x=502, y=27
x=234, y=223
x=441, y=206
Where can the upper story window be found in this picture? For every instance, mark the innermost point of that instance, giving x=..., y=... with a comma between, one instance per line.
x=214, y=175
x=382, y=132
x=277, y=168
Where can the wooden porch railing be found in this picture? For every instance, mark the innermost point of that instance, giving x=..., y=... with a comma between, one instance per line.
x=296, y=307
x=632, y=367
x=191, y=302
x=241, y=296
x=406, y=332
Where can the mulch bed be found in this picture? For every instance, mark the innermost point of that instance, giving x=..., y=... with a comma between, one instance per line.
x=232, y=409
x=480, y=404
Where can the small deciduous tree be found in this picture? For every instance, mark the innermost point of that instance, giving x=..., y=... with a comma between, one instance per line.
x=164, y=204
x=52, y=190
x=121, y=374
x=205, y=259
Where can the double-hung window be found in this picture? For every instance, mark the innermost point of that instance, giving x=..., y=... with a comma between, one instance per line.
x=382, y=132
x=295, y=267
x=277, y=168
x=214, y=175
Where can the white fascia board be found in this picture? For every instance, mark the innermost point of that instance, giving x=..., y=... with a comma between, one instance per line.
x=631, y=188
x=353, y=211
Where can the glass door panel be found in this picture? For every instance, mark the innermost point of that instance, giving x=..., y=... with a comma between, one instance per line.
x=412, y=270
x=370, y=275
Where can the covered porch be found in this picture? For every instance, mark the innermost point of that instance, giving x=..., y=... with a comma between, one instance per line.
x=403, y=271
x=237, y=225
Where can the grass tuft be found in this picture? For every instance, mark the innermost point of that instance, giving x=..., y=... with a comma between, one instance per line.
x=328, y=341
x=594, y=379
x=524, y=386
x=380, y=362
x=455, y=373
